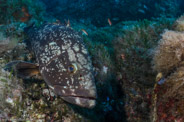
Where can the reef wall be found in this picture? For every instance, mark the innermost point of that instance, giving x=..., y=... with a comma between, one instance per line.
x=168, y=62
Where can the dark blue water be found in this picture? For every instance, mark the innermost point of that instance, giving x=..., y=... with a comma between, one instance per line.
x=97, y=11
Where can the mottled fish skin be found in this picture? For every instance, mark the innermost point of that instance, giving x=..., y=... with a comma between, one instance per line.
x=57, y=48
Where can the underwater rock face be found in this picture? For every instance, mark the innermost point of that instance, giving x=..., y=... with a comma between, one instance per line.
x=169, y=54
x=6, y=43
x=179, y=24
x=11, y=90
x=134, y=51
x=168, y=61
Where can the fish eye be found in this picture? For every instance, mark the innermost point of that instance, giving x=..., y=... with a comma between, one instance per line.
x=72, y=68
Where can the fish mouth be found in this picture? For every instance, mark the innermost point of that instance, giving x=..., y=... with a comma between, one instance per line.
x=90, y=98
x=86, y=102
x=81, y=97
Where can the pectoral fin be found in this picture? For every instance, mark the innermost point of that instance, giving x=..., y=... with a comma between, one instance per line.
x=23, y=69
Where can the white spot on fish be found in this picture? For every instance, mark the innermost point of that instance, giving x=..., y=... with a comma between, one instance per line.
x=47, y=70
x=71, y=55
x=72, y=80
x=73, y=90
x=51, y=87
x=81, y=59
x=77, y=100
x=68, y=82
x=60, y=67
x=63, y=91
x=76, y=47
x=92, y=103
x=84, y=51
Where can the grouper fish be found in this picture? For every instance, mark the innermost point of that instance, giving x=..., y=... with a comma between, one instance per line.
x=63, y=62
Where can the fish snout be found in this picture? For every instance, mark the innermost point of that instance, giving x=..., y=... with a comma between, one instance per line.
x=77, y=95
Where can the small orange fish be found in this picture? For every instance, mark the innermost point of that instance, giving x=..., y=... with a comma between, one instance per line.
x=84, y=32
x=109, y=21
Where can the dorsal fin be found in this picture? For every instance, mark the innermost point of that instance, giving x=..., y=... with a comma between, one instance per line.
x=23, y=69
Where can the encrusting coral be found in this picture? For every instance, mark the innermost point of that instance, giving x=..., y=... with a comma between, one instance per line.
x=10, y=93
x=169, y=89
x=179, y=24
x=133, y=51
x=170, y=52
x=6, y=43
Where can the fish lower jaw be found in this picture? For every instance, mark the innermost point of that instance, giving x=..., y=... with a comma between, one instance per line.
x=86, y=102
x=84, y=97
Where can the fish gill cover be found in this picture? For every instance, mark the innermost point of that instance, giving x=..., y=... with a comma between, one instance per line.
x=135, y=49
